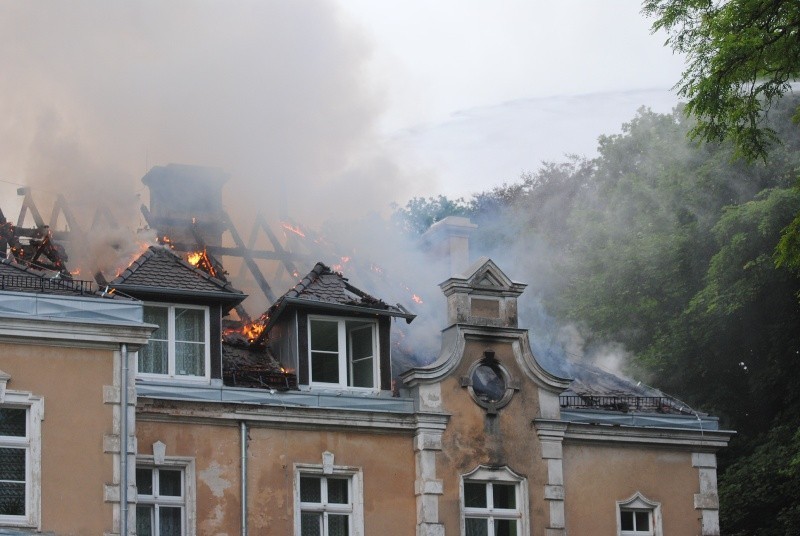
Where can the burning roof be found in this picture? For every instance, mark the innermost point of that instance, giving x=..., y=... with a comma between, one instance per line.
x=327, y=288
x=159, y=271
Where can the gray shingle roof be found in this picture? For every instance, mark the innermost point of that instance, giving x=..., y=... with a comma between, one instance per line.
x=324, y=285
x=159, y=269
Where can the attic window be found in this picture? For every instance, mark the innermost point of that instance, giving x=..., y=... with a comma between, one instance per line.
x=179, y=348
x=343, y=352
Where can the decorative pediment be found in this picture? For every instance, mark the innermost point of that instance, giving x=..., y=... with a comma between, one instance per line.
x=483, y=277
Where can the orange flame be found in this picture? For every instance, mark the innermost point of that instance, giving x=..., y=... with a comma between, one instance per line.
x=293, y=228
x=253, y=330
x=194, y=258
x=201, y=260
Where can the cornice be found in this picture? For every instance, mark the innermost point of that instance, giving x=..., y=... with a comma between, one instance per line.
x=283, y=417
x=685, y=439
x=72, y=333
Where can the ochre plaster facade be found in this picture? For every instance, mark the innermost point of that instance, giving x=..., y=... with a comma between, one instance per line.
x=603, y=475
x=70, y=380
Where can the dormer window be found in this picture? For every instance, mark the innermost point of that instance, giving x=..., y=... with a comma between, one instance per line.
x=179, y=348
x=343, y=352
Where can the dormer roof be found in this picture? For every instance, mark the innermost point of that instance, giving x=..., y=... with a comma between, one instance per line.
x=161, y=273
x=323, y=288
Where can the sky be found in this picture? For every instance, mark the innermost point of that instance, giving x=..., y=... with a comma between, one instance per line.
x=364, y=102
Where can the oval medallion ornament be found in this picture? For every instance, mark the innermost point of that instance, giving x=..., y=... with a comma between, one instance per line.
x=488, y=383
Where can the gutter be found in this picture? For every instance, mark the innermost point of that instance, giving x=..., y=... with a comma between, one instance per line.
x=243, y=430
x=123, y=441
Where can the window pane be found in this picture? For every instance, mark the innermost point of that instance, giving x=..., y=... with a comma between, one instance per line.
x=643, y=521
x=153, y=358
x=144, y=520
x=310, y=489
x=169, y=483
x=190, y=359
x=12, y=422
x=362, y=373
x=12, y=499
x=474, y=495
x=12, y=464
x=338, y=525
x=626, y=520
x=361, y=341
x=310, y=524
x=476, y=527
x=337, y=491
x=505, y=527
x=158, y=316
x=324, y=335
x=144, y=481
x=169, y=521
x=190, y=325
x=504, y=496
x=324, y=367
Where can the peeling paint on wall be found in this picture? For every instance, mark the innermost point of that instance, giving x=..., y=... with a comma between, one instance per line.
x=212, y=478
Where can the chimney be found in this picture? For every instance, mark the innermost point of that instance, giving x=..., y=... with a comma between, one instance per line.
x=450, y=238
x=181, y=194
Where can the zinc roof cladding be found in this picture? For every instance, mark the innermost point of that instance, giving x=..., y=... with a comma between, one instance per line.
x=324, y=285
x=18, y=277
x=158, y=268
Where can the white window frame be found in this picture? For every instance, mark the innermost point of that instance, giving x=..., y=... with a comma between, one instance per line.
x=500, y=475
x=32, y=442
x=639, y=503
x=356, y=489
x=344, y=353
x=187, y=467
x=171, y=375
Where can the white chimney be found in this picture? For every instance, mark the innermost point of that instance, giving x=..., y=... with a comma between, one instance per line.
x=450, y=238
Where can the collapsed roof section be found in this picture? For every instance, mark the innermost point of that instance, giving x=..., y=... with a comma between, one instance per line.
x=160, y=273
x=18, y=277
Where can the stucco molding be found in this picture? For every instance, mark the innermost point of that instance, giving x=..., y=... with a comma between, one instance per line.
x=684, y=439
x=283, y=417
x=454, y=340
x=74, y=334
x=707, y=501
x=551, y=437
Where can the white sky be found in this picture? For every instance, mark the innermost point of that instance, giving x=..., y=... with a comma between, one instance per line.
x=481, y=91
x=376, y=100
x=439, y=57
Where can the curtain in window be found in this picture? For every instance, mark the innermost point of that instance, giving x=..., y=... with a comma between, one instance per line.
x=153, y=358
x=190, y=342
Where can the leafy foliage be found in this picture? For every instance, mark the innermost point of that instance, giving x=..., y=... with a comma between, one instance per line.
x=742, y=54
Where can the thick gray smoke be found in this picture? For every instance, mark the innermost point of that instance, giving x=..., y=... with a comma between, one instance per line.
x=94, y=93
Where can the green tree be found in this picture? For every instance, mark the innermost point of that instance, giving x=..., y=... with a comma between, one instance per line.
x=743, y=55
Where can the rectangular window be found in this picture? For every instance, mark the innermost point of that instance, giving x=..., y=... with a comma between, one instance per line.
x=20, y=459
x=491, y=509
x=328, y=501
x=635, y=522
x=343, y=352
x=161, y=501
x=179, y=348
x=326, y=505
